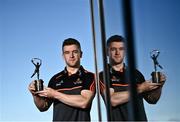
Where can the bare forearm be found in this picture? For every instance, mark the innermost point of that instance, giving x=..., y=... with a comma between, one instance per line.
x=119, y=98
x=81, y=101
x=40, y=103
x=153, y=96
x=73, y=100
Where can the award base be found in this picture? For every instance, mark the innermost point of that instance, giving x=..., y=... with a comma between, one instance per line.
x=39, y=85
x=155, y=77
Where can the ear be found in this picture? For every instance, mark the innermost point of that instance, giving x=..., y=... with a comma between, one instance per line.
x=62, y=55
x=107, y=51
x=81, y=54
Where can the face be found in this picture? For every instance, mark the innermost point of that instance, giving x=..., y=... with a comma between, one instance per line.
x=116, y=52
x=72, y=55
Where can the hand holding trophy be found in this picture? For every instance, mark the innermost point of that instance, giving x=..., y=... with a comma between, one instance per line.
x=155, y=74
x=38, y=82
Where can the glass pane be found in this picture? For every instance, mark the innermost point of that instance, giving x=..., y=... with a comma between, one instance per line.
x=37, y=28
x=155, y=28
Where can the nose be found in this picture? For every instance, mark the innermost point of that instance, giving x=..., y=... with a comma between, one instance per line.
x=117, y=52
x=72, y=55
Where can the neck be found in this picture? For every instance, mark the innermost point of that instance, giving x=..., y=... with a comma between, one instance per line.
x=72, y=70
x=118, y=67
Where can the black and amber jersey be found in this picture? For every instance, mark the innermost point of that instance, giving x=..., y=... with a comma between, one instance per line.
x=118, y=81
x=73, y=85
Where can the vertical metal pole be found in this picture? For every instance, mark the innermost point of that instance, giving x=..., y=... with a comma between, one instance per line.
x=95, y=60
x=128, y=27
x=105, y=64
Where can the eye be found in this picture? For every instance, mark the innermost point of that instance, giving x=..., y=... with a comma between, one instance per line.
x=122, y=48
x=66, y=52
x=75, y=51
x=113, y=49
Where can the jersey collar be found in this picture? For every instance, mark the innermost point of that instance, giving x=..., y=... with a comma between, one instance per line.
x=79, y=72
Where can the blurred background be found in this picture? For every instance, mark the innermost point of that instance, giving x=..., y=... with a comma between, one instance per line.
x=37, y=28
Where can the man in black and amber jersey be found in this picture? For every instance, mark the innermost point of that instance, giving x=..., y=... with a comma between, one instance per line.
x=71, y=91
x=119, y=93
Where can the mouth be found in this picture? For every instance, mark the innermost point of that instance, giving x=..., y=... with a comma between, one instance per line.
x=117, y=57
x=72, y=60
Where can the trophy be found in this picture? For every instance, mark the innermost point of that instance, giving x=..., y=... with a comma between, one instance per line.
x=155, y=74
x=38, y=82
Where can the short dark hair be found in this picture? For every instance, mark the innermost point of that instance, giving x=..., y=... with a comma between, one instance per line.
x=115, y=38
x=71, y=41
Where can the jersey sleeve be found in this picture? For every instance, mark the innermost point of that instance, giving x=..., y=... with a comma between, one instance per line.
x=101, y=82
x=89, y=82
x=139, y=77
x=51, y=82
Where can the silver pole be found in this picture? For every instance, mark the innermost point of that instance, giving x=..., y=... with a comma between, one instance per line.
x=105, y=64
x=95, y=60
x=134, y=112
